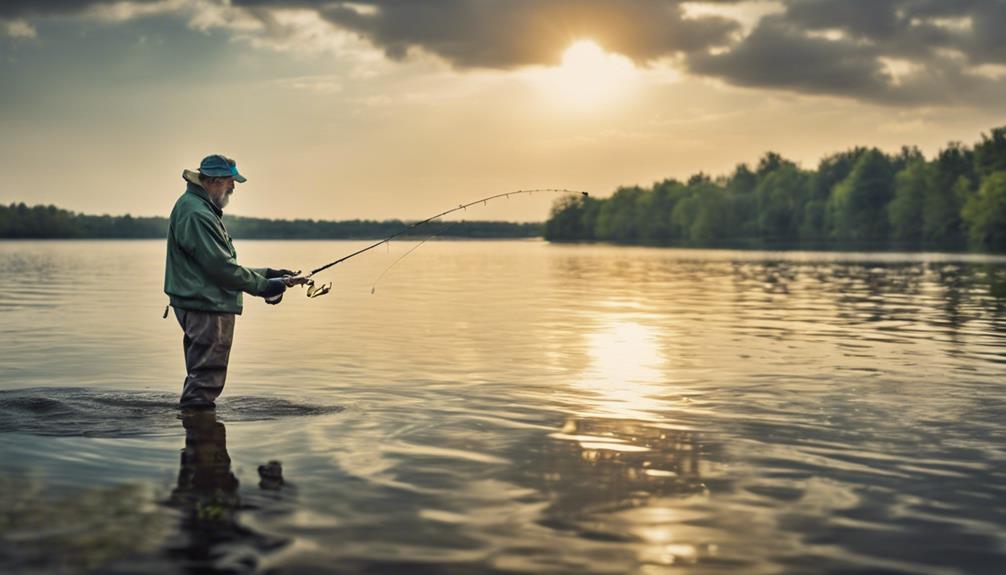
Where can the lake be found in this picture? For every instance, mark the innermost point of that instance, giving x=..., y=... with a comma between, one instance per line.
x=511, y=407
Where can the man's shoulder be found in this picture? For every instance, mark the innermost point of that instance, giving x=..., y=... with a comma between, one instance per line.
x=189, y=204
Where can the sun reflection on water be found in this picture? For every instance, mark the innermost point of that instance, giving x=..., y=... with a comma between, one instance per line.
x=648, y=465
x=627, y=374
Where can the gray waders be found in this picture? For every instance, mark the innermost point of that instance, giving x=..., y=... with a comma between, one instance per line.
x=207, y=345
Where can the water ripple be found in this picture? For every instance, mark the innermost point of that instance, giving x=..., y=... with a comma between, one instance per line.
x=522, y=407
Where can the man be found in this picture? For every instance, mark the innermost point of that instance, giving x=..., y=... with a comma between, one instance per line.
x=205, y=282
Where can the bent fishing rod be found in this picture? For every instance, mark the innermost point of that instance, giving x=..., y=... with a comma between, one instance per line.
x=321, y=289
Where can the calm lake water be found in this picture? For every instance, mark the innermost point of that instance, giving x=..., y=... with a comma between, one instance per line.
x=511, y=407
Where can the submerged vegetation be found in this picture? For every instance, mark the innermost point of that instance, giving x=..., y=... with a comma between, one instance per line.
x=22, y=221
x=857, y=198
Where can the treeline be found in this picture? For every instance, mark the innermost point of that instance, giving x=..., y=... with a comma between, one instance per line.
x=857, y=198
x=26, y=222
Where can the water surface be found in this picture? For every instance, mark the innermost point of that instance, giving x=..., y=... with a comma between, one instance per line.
x=512, y=407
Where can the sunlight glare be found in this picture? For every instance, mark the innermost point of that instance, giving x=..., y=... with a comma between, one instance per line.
x=628, y=369
x=587, y=77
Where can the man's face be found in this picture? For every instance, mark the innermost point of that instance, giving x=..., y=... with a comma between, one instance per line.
x=220, y=190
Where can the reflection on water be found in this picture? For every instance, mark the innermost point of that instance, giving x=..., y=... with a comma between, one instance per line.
x=519, y=407
x=200, y=526
x=627, y=374
x=47, y=530
x=639, y=478
x=207, y=495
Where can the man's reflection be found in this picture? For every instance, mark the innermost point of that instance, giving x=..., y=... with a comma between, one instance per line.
x=207, y=495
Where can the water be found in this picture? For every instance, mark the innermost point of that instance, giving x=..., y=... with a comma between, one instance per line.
x=511, y=407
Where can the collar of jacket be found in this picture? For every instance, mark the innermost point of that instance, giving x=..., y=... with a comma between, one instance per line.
x=205, y=196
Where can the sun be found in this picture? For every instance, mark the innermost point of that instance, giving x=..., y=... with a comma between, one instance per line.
x=587, y=77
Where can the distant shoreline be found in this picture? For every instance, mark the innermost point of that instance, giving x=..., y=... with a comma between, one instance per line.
x=403, y=238
x=20, y=221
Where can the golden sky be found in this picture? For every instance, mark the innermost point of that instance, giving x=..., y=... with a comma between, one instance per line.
x=384, y=108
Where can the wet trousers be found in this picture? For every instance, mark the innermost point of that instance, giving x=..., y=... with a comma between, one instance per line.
x=207, y=345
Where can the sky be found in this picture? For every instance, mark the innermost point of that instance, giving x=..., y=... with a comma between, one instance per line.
x=384, y=109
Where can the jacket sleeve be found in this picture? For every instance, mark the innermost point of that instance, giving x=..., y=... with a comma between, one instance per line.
x=205, y=242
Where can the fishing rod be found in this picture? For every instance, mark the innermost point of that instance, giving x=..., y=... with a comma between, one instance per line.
x=322, y=289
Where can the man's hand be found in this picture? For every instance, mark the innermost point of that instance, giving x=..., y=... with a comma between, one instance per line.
x=274, y=289
x=289, y=277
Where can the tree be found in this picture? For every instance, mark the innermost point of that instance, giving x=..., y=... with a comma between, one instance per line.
x=781, y=194
x=858, y=205
x=990, y=153
x=954, y=182
x=832, y=170
x=985, y=213
x=657, y=225
x=617, y=220
x=566, y=219
x=711, y=218
x=911, y=190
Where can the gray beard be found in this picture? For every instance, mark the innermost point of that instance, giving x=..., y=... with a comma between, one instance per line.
x=222, y=200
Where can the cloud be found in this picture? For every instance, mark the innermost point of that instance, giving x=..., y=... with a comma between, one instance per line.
x=10, y=9
x=122, y=11
x=778, y=55
x=516, y=33
x=19, y=29
x=905, y=52
x=326, y=85
x=886, y=51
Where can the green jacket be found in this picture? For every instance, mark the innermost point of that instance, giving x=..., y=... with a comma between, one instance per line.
x=201, y=271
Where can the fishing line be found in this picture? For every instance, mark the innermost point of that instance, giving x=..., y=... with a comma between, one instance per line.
x=315, y=291
x=441, y=231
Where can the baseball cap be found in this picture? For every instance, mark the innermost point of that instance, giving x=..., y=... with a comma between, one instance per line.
x=220, y=166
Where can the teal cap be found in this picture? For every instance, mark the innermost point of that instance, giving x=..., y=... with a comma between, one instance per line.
x=220, y=166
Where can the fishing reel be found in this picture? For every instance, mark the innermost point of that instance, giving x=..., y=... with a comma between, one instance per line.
x=313, y=289
x=317, y=290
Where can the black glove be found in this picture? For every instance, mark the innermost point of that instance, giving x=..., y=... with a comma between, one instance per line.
x=271, y=273
x=273, y=288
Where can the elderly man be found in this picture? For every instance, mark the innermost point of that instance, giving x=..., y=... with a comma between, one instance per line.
x=204, y=280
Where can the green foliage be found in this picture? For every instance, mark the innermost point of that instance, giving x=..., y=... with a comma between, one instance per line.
x=911, y=191
x=618, y=218
x=857, y=205
x=954, y=182
x=990, y=153
x=985, y=213
x=832, y=170
x=857, y=197
x=711, y=220
x=570, y=219
x=781, y=193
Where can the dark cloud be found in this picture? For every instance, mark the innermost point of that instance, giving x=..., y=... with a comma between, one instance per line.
x=830, y=47
x=860, y=18
x=778, y=55
x=989, y=40
x=510, y=33
x=24, y=8
x=911, y=28
x=787, y=51
x=890, y=51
